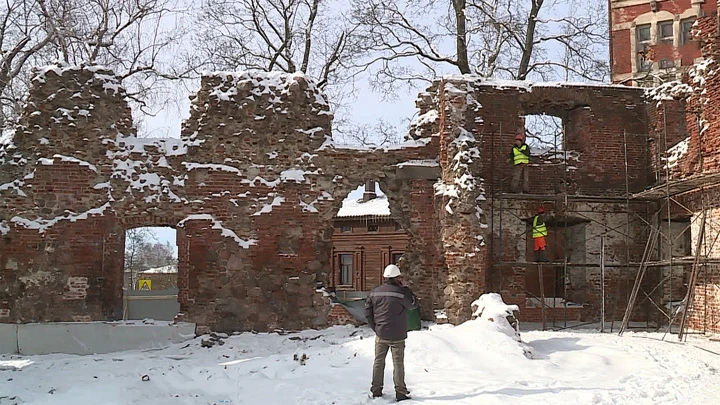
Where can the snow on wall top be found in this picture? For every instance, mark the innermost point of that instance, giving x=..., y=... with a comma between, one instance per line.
x=106, y=76
x=261, y=83
x=528, y=85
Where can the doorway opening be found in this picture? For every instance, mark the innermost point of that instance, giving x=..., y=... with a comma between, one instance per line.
x=150, y=288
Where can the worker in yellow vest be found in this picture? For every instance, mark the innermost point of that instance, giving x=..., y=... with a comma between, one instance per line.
x=539, y=232
x=520, y=157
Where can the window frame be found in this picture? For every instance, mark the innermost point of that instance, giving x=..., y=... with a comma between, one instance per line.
x=685, y=35
x=393, y=255
x=346, y=228
x=376, y=226
x=640, y=28
x=666, y=38
x=642, y=46
x=666, y=63
x=343, y=268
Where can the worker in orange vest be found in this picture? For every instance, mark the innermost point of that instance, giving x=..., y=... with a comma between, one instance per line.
x=520, y=158
x=539, y=232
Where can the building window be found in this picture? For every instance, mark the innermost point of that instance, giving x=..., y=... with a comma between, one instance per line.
x=643, y=33
x=373, y=228
x=665, y=31
x=396, y=257
x=685, y=27
x=642, y=47
x=666, y=64
x=398, y=227
x=346, y=228
x=346, y=261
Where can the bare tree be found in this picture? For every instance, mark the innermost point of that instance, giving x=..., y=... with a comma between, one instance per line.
x=418, y=40
x=135, y=240
x=378, y=133
x=308, y=36
x=136, y=38
x=23, y=35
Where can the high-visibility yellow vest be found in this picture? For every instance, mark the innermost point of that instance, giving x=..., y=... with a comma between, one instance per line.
x=538, y=230
x=518, y=155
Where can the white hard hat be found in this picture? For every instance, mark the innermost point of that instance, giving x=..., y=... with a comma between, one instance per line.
x=391, y=271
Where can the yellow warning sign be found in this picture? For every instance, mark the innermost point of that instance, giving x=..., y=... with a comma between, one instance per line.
x=145, y=285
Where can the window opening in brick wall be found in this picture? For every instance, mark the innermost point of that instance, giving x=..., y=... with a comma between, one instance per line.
x=395, y=258
x=543, y=133
x=685, y=28
x=150, y=273
x=561, y=242
x=665, y=31
x=345, y=269
x=373, y=228
x=676, y=238
x=345, y=228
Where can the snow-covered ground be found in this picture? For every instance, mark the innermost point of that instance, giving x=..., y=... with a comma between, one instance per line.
x=444, y=365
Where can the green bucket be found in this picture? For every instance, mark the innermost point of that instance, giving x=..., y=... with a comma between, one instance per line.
x=413, y=318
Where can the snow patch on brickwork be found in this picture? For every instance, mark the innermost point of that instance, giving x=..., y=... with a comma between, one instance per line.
x=14, y=185
x=674, y=90
x=676, y=153
x=267, y=208
x=212, y=167
x=228, y=233
x=71, y=159
x=42, y=224
x=412, y=143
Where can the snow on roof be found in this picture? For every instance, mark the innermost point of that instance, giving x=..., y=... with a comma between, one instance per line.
x=169, y=269
x=378, y=206
x=353, y=205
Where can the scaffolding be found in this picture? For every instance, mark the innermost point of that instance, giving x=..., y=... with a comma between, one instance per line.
x=649, y=211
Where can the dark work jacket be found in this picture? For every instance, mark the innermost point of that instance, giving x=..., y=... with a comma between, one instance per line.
x=386, y=310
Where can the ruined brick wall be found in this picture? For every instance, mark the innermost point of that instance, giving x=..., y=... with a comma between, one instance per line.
x=254, y=170
x=597, y=119
x=253, y=185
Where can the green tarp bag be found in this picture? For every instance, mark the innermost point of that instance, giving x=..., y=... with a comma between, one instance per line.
x=413, y=318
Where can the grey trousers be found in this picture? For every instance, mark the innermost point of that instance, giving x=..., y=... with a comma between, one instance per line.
x=397, y=348
x=520, y=174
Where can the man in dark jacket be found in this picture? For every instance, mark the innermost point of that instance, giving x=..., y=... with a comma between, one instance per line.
x=386, y=312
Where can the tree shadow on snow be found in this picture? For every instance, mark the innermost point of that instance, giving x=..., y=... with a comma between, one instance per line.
x=542, y=348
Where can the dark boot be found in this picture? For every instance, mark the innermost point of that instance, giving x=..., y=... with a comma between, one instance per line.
x=543, y=256
x=401, y=397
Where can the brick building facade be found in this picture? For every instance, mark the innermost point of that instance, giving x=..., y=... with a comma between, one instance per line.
x=651, y=40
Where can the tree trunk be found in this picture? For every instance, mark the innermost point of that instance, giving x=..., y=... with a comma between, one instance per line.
x=461, y=37
x=529, y=39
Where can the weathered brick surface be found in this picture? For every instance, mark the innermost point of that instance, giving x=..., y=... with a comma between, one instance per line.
x=254, y=183
x=251, y=187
